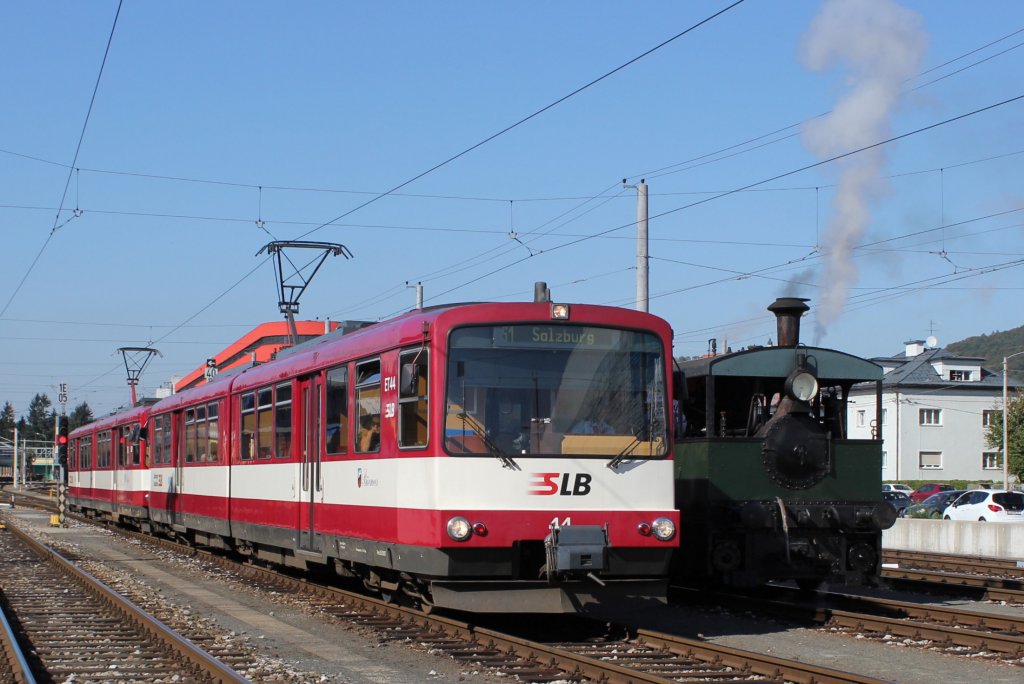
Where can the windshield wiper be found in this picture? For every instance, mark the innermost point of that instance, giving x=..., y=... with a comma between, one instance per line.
x=492, y=448
x=626, y=452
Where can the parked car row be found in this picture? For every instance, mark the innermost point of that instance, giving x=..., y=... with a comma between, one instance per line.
x=985, y=505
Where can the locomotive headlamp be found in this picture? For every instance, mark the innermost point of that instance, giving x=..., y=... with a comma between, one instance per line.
x=663, y=529
x=559, y=312
x=801, y=385
x=459, y=528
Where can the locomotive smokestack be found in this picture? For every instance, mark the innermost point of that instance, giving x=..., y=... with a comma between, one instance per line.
x=788, y=311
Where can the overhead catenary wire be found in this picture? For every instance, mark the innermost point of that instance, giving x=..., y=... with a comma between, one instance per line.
x=56, y=221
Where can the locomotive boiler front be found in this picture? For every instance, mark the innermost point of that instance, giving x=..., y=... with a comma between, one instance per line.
x=797, y=448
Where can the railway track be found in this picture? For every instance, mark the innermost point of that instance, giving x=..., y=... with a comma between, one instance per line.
x=68, y=625
x=645, y=655
x=991, y=579
x=636, y=657
x=954, y=630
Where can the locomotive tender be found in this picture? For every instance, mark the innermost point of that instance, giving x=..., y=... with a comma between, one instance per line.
x=769, y=484
x=495, y=457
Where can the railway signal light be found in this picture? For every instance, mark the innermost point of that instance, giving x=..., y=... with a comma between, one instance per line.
x=62, y=442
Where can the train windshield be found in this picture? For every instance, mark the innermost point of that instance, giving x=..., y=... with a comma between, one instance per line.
x=516, y=390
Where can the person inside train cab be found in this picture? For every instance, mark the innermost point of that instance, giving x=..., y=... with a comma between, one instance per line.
x=369, y=433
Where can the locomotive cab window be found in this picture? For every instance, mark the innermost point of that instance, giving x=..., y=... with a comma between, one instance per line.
x=555, y=389
x=412, y=398
x=368, y=406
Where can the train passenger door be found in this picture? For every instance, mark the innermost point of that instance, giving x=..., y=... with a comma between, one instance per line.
x=176, y=487
x=310, y=477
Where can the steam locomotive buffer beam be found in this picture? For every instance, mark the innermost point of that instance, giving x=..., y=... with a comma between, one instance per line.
x=292, y=282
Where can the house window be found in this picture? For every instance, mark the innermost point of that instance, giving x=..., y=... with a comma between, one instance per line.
x=860, y=418
x=989, y=418
x=990, y=460
x=929, y=460
x=885, y=416
x=930, y=416
x=885, y=460
x=960, y=375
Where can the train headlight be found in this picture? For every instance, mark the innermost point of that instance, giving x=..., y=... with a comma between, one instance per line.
x=663, y=529
x=459, y=528
x=801, y=385
x=559, y=312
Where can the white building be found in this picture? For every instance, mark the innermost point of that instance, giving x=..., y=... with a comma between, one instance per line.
x=936, y=408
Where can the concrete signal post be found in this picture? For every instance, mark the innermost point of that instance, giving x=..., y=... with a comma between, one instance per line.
x=1006, y=432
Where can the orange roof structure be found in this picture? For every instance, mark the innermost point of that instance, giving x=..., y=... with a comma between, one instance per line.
x=259, y=345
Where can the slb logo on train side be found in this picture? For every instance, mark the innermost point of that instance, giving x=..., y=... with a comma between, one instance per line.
x=563, y=484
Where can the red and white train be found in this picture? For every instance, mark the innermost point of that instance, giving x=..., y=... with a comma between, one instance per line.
x=511, y=457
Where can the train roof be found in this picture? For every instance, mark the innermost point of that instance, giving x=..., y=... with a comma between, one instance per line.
x=778, y=362
x=368, y=339
x=138, y=413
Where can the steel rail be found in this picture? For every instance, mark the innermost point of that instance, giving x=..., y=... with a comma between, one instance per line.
x=534, y=661
x=14, y=658
x=215, y=669
x=982, y=565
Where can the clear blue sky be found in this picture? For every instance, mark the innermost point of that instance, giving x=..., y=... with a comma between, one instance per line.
x=327, y=104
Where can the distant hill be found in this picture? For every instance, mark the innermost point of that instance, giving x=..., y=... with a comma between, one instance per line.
x=993, y=348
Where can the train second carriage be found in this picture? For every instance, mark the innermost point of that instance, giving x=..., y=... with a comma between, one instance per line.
x=511, y=457
x=768, y=481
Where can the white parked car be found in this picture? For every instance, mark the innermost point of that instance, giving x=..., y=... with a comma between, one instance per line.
x=897, y=488
x=994, y=505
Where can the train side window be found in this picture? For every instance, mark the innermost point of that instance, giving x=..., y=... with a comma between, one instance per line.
x=265, y=423
x=201, y=435
x=103, y=449
x=412, y=399
x=368, y=406
x=156, y=453
x=190, y=435
x=336, y=424
x=85, y=454
x=248, y=405
x=134, y=446
x=212, y=434
x=283, y=420
x=122, y=446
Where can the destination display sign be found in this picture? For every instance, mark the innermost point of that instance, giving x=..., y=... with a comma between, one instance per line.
x=556, y=337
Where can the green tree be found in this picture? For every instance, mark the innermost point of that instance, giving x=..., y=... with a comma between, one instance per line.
x=80, y=415
x=7, y=421
x=41, y=419
x=1015, y=434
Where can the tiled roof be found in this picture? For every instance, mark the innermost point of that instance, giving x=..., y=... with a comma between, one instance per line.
x=918, y=370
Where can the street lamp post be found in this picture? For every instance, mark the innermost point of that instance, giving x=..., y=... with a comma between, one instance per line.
x=1006, y=443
